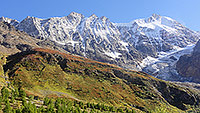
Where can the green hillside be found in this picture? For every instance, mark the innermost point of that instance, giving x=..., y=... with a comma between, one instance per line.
x=48, y=73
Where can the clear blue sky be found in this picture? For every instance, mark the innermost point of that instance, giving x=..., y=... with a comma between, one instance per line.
x=186, y=12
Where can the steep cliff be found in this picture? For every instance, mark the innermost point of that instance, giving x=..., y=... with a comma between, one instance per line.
x=188, y=65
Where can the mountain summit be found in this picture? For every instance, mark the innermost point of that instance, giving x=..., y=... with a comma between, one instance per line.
x=8, y=20
x=128, y=45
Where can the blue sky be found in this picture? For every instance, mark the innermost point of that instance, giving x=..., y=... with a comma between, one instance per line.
x=186, y=12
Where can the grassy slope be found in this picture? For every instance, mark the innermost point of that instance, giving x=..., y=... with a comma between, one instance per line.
x=50, y=73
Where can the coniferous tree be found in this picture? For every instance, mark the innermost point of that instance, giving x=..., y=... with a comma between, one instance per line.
x=24, y=103
x=12, y=92
x=42, y=109
x=12, y=99
x=16, y=93
x=63, y=108
x=34, y=108
x=88, y=105
x=31, y=98
x=46, y=101
x=18, y=111
x=50, y=108
x=13, y=110
x=4, y=93
x=111, y=109
x=39, y=110
x=59, y=109
x=92, y=105
x=92, y=111
x=57, y=103
x=7, y=108
x=22, y=93
x=81, y=105
x=97, y=106
x=133, y=111
x=119, y=110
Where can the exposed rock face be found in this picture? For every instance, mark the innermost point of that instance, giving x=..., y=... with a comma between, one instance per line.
x=92, y=37
x=164, y=67
x=177, y=97
x=124, y=44
x=10, y=21
x=157, y=33
x=196, y=49
x=188, y=65
x=163, y=40
x=13, y=41
x=100, y=39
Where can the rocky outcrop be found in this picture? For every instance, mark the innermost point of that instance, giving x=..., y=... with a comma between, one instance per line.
x=97, y=38
x=188, y=65
x=128, y=45
x=10, y=21
x=157, y=33
x=13, y=40
x=93, y=37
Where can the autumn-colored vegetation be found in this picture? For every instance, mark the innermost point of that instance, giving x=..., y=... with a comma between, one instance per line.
x=49, y=73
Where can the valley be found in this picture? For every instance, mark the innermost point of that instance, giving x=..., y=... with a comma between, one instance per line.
x=90, y=64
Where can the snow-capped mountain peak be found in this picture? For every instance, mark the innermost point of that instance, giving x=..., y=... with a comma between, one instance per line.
x=93, y=16
x=75, y=14
x=153, y=18
x=157, y=22
x=124, y=44
x=8, y=20
x=75, y=17
x=162, y=33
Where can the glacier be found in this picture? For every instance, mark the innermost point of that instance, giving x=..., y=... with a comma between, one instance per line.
x=152, y=44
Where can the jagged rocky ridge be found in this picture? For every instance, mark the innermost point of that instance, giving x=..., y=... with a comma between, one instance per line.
x=92, y=37
x=126, y=45
x=10, y=21
x=13, y=40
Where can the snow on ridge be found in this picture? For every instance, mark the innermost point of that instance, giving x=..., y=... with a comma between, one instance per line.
x=164, y=65
x=155, y=22
x=188, y=49
x=147, y=61
x=117, y=41
x=162, y=23
x=10, y=21
x=113, y=54
x=72, y=42
x=164, y=55
x=124, y=43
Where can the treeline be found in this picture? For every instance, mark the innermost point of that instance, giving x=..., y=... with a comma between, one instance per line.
x=16, y=101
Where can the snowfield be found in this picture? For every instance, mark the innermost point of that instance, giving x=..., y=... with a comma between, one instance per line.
x=164, y=66
x=152, y=44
